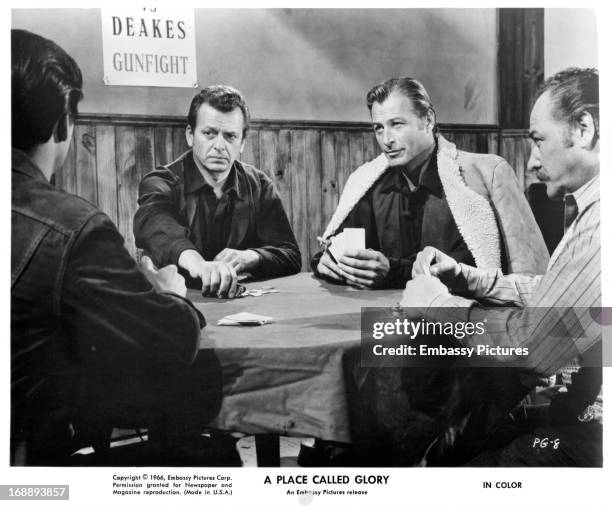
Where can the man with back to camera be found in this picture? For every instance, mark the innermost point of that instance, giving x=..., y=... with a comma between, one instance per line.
x=210, y=214
x=423, y=191
x=564, y=128
x=93, y=338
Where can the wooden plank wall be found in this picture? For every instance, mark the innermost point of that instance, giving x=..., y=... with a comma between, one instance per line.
x=309, y=162
x=520, y=60
x=515, y=147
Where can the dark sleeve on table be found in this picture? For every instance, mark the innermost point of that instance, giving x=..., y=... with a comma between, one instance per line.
x=280, y=254
x=120, y=322
x=461, y=253
x=159, y=228
x=400, y=270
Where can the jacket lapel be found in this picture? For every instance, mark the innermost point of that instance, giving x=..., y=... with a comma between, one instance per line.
x=358, y=183
x=472, y=212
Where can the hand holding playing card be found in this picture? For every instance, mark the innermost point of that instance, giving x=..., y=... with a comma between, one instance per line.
x=364, y=268
x=328, y=268
x=335, y=248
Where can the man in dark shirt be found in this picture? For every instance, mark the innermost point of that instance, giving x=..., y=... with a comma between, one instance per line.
x=93, y=338
x=210, y=214
x=392, y=214
x=423, y=191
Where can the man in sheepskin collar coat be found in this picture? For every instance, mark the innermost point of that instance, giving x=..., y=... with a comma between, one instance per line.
x=423, y=191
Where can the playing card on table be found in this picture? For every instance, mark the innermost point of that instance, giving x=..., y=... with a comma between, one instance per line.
x=245, y=318
x=255, y=292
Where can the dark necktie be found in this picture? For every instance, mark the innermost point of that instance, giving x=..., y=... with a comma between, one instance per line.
x=571, y=211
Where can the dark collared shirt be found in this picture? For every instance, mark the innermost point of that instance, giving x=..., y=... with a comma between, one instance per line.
x=178, y=211
x=401, y=218
x=397, y=199
x=214, y=221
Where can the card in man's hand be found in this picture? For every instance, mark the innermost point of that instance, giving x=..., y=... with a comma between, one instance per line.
x=349, y=238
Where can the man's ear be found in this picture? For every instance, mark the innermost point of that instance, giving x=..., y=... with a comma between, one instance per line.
x=429, y=120
x=60, y=131
x=189, y=136
x=585, y=132
x=242, y=145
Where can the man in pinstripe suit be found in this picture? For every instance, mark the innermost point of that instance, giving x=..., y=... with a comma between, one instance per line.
x=564, y=128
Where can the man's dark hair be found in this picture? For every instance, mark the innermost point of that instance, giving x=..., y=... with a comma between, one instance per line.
x=573, y=92
x=224, y=99
x=411, y=89
x=46, y=86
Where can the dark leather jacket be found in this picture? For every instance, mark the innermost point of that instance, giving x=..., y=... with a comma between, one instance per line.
x=85, y=323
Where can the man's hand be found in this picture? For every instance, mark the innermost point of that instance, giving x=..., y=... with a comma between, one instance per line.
x=328, y=268
x=240, y=260
x=420, y=293
x=219, y=279
x=432, y=262
x=166, y=279
x=364, y=268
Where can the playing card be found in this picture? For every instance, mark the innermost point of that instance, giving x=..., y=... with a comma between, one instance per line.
x=245, y=318
x=349, y=238
x=354, y=238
